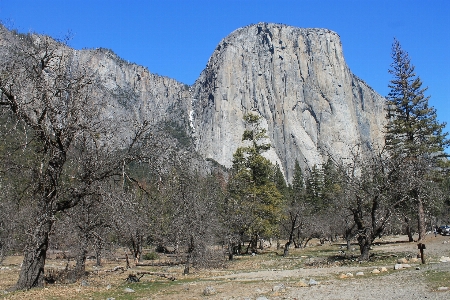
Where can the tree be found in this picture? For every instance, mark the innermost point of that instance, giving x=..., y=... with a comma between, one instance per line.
x=56, y=99
x=296, y=208
x=254, y=203
x=412, y=131
x=371, y=194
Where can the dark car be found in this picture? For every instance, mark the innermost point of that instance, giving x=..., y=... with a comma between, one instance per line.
x=444, y=230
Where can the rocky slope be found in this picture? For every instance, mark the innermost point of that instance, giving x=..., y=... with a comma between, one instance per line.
x=298, y=81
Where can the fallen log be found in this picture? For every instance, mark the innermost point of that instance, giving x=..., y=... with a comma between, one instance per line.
x=160, y=264
x=135, y=278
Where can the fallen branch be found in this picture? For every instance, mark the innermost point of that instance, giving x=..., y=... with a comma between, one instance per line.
x=160, y=264
x=135, y=278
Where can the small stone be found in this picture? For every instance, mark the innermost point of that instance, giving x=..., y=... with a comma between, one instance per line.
x=402, y=261
x=342, y=276
x=417, y=268
x=444, y=259
x=312, y=282
x=278, y=288
x=349, y=274
x=301, y=283
x=108, y=287
x=375, y=271
x=84, y=283
x=209, y=290
x=128, y=290
x=359, y=274
x=442, y=288
x=398, y=266
x=406, y=265
x=384, y=269
x=110, y=298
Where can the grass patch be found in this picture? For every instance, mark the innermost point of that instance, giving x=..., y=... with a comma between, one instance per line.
x=437, y=278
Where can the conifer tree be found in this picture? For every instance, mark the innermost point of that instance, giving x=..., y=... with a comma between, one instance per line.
x=413, y=132
x=254, y=204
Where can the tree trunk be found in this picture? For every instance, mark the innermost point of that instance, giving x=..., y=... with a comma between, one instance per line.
x=286, y=249
x=421, y=220
x=408, y=230
x=32, y=271
x=364, y=247
x=80, y=267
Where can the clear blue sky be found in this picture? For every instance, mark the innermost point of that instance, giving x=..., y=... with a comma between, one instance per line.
x=175, y=38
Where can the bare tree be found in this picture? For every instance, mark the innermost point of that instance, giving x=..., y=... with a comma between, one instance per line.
x=56, y=99
x=371, y=188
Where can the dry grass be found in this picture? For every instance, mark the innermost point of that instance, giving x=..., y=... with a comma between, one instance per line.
x=239, y=277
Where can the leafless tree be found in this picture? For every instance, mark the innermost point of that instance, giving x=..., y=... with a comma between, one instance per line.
x=57, y=100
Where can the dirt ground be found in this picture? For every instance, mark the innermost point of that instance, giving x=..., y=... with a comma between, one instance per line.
x=316, y=272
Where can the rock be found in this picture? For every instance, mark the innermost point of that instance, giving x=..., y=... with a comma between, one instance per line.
x=128, y=290
x=110, y=298
x=312, y=282
x=406, y=266
x=84, y=283
x=444, y=259
x=384, y=269
x=278, y=288
x=108, y=287
x=442, y=288
x=359, y=274
x=402, y=261
x=349, y=274
x=301, y=283
x=417, y=268
x=298, y=81
x=398, y=266
x=375, y=271
x=342, y=276
x=209, y=290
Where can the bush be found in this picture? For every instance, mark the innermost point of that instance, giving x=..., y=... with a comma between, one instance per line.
x=150, y=256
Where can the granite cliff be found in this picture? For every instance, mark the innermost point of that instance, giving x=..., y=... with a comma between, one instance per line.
x=298, y=81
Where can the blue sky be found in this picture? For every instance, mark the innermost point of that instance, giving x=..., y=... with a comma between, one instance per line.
x=175, y=38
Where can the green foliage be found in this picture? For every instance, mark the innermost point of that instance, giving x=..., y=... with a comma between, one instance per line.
x=255, y=203
x=150, y=256
x=412, y=128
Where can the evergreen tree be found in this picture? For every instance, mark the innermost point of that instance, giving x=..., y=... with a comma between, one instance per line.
x=413, y=132
x=315, y=188
x=254, y=204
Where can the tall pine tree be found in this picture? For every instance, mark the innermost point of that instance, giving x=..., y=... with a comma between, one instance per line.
x=413, y=132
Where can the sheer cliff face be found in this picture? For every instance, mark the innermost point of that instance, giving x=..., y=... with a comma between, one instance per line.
x=298, y=81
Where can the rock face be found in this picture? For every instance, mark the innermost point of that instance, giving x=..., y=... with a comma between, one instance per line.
x=298, y=81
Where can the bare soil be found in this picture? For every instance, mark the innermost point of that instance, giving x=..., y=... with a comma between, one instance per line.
x=311, y=273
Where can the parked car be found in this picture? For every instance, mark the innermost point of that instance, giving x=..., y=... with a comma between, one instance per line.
x=444, y=230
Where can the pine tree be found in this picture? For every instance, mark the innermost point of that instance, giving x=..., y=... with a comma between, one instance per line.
x=413, y=132
x=412, y=129
x=254, y=204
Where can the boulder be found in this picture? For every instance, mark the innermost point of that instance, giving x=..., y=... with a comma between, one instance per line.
x=209, y=290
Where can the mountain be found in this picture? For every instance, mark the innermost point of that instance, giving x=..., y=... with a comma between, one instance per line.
x=296, y=79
